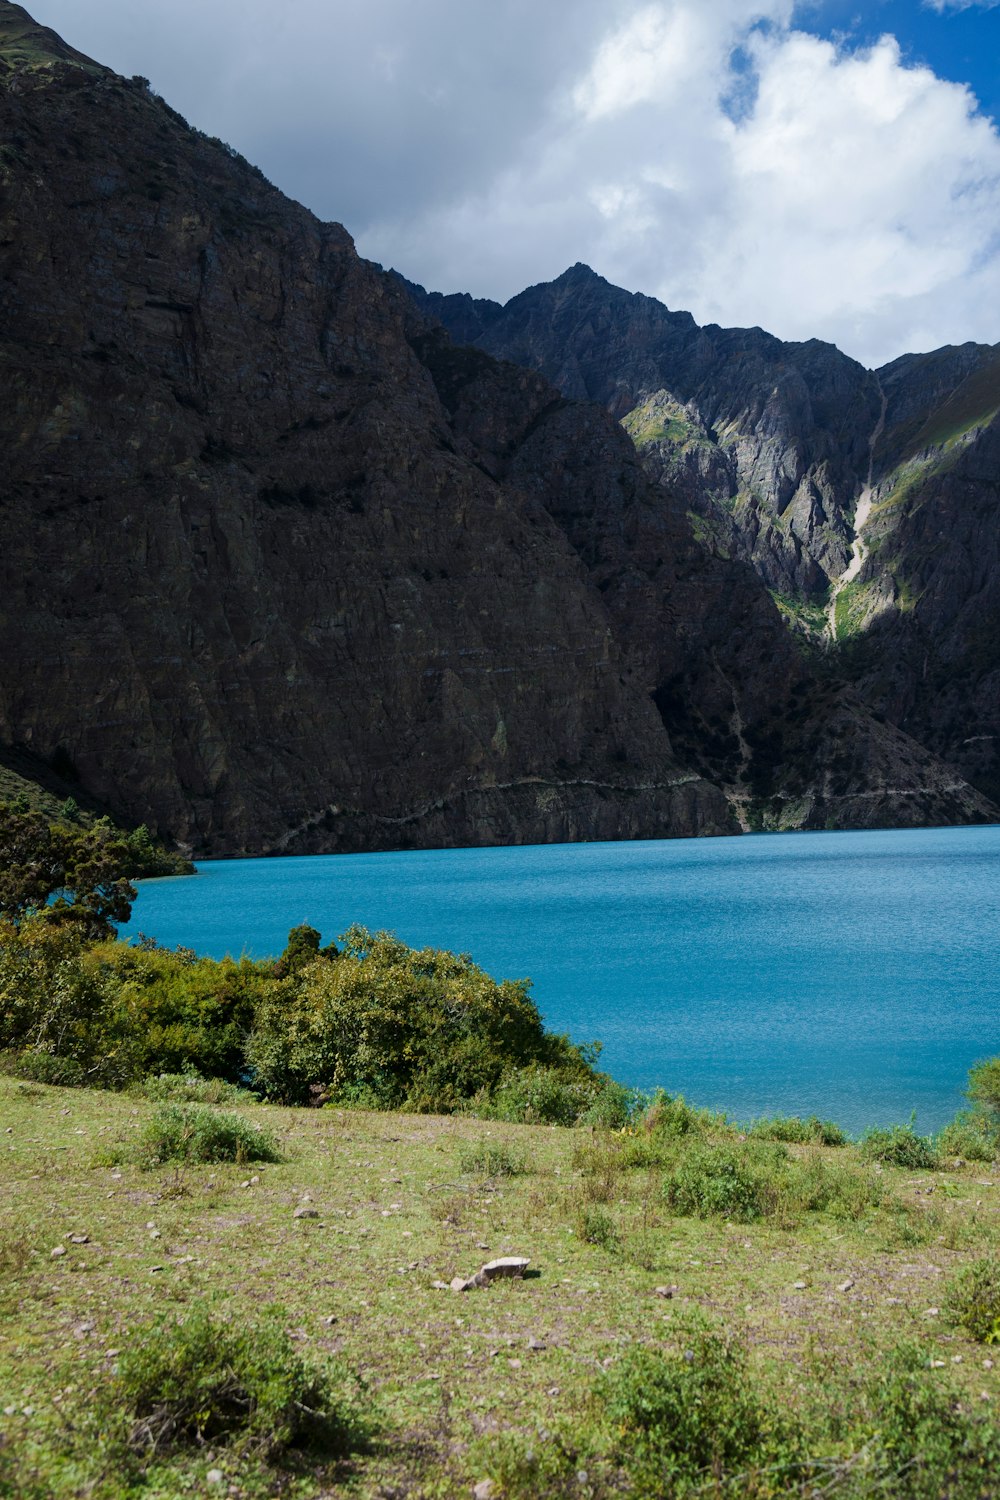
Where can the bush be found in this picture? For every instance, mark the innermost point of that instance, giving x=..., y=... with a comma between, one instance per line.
x=898, y=1146
x=555, y=1096
x=492, y=1159
x=793, y=1131
x=43, y=1067
x=189, y=1088
x=399, y=1028
x=984, y=1084
x=595, y=1226
x=670, y=1116
x=971, y=1135
x=753, y=1179
x=740, y=1181
x=693, y=1415
x=972, y=1300
x=202, y=1381
x=919, y=1441
x=121, y=1012
x=195, y=1133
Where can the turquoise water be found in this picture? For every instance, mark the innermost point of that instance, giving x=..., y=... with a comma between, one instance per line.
x=854, y=975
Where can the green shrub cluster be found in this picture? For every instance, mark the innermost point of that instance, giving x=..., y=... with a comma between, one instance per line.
x=385, y=1026
x=196, y=1133
x=899, y=1146
x=972, y=1300
x=751, y=1179
x=378, y=1025
x=692, y=1416
x=793, y=1131
x=202, y=1381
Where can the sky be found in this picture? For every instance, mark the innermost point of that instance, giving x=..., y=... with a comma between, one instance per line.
x=820, y=168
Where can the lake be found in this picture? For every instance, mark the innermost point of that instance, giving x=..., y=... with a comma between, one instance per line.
x=853, y=975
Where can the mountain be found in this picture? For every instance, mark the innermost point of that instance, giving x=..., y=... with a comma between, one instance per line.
x=866, y=501
x=286, y=570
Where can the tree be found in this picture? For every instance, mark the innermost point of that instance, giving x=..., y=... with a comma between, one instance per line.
x=67, y=876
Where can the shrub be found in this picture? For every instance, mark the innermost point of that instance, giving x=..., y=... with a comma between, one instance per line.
x=492, y=1159
x=693, y=1414
x=984, y=1084
x=556, y=1096
x=196, y=1133
x=43, y=1067
x=670, y=1115
x=919, y=1443
x=754, y=1179
x=595, y=1226
x=793, y=1131
x=972, y=1300
x=422, y=1030
x=189, y=1088
x=122, y=1012
x=202, y=1381
x=898, y=1146
x=970, y=1134
x=740, y=1181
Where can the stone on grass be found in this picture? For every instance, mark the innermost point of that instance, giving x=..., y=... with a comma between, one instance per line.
x=483, y=1490
x=665, y=1291
x=505, y=1266
x=845, y=1286
x=56, y=1251
x=306, y=1213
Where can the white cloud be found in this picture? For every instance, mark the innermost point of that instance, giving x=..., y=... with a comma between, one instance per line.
x=849, y=196
x=943, y=6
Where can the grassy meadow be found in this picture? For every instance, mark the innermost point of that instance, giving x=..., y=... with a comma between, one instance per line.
x=705, y=1312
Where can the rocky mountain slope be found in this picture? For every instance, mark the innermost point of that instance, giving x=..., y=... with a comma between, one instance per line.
x=284, y=570
x=865, y=500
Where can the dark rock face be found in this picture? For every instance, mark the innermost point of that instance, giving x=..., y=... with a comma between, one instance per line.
x=789, y=424
x=778, y=452
x=284, y=570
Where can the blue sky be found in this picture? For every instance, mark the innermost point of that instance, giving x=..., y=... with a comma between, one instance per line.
x=820, y=168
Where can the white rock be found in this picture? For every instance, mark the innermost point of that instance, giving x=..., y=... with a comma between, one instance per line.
x=214, y=1476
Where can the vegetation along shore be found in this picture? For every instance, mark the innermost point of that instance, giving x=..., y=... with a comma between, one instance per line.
x=246, y=1204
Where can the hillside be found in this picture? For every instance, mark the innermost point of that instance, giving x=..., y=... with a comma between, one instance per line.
x=287, y=572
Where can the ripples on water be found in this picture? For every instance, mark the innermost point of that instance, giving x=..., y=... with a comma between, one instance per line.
x=854, y=975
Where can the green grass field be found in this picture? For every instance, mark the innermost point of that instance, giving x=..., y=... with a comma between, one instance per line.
x=502, y=1383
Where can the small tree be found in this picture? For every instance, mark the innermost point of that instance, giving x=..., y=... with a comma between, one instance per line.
x=63, y=875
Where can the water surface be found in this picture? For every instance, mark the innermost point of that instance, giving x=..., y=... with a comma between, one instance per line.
x=855, y=975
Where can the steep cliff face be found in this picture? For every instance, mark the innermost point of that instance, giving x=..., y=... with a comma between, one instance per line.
x=787, y=426
x=919, y=625
x=865, y=501
x=284, y=570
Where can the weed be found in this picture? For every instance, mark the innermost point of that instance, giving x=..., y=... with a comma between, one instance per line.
x=196, y=1133
x=203, y=1381
x=693, y=1414
x=898, y=1146
x=596, y=1227
x=793, y=1131
x=970, y=1135
x=492, y=1159
x=190, y=1088
x=731, y=1181
x=972, y=1300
